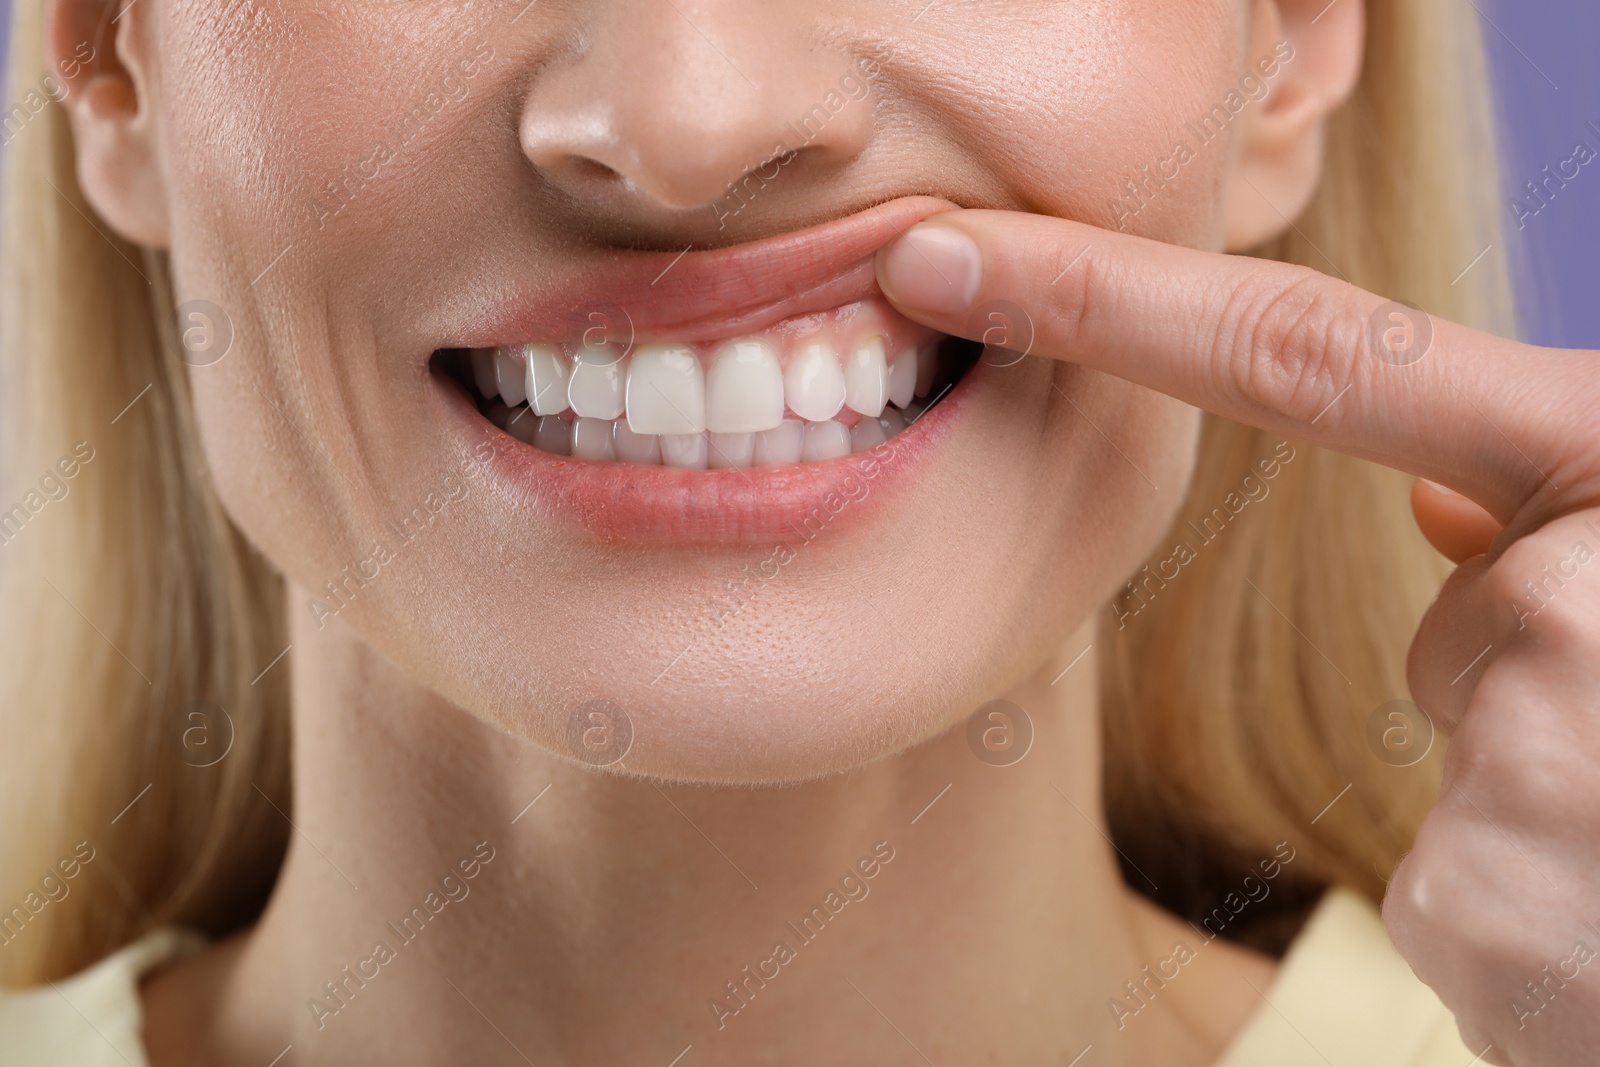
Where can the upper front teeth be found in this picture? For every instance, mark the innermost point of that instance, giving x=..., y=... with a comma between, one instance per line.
x=666, y=393
x=595, y=389
x=662, y=389
x=744, y=388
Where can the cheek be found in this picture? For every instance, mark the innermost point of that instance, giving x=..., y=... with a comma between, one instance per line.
x=305, y=128
x=1094, y=111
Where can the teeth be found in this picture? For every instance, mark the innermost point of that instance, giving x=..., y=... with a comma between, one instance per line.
x=813, y=385
x=903, y=378
x=686, y=450
x=483, y=373
x=866, y=377
x=666, y=391
x=546, y=380
x=553, y=435
x=595, y=389
x=744, y=388
x=781, y=444
x=635, y=447
x=509, y=377
x=730, y=450
x=660, y=407
x=591, y=439
x=825, y=440
x=868, y=433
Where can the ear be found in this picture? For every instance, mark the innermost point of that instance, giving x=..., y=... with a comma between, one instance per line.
x=1313, y=49
x=99, y=50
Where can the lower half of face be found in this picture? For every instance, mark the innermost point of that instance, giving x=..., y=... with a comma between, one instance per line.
x=620, y=449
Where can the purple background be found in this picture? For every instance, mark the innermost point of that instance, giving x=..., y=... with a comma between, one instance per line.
x=1545, y=60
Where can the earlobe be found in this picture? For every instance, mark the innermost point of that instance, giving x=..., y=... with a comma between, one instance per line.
x=100, y=59
x=1279, y=152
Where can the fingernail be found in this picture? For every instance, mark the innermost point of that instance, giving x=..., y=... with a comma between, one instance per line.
x=937, y=269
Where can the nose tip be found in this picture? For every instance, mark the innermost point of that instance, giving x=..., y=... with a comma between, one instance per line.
x=672, y=113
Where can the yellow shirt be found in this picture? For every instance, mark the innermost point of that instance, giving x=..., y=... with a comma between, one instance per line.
x=1342, y=998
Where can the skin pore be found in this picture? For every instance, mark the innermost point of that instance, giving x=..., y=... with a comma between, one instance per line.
x=617, y=906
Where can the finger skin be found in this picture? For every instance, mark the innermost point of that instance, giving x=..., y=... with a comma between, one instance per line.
x=1277, y=346
x=1502, y=885
x=1453, y=646
x=1455, y=526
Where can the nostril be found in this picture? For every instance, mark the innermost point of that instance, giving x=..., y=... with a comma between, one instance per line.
x=580, y=174
x=592, y=170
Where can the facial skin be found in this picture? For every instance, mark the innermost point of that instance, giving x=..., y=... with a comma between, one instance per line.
x=567, y=138
x=556, y=137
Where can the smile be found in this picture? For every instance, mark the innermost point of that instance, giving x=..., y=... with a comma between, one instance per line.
x=807, y=389
x=733, y=395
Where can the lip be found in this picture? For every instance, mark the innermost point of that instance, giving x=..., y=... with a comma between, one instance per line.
x=711, y=294
x=704, y=296
x=629, y=503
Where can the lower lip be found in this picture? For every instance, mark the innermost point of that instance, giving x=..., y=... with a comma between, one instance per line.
x=631, y=503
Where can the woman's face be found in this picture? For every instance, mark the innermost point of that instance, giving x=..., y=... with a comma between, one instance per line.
x=361, y=186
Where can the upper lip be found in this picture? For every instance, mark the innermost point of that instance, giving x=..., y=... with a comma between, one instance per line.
x=711, y=294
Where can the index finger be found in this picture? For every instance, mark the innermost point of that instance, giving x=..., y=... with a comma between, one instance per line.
x=1278, y=346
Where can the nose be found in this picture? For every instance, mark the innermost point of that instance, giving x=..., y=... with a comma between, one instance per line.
x=672, y=103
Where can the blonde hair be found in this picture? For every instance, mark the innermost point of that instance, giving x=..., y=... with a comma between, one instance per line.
x=1235, y=703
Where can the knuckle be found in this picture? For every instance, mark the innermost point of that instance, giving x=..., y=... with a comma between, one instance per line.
x=1289, y=344
x=1543, y=591
x=1510, y=759
x=1081, y=308
x=1444, y=906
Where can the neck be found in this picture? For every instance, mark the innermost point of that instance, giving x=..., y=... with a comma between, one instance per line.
x=450, y=888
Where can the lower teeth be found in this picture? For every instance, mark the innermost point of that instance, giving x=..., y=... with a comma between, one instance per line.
x=792, y=441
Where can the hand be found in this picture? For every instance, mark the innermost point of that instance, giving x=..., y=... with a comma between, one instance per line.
x=1503, y=883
